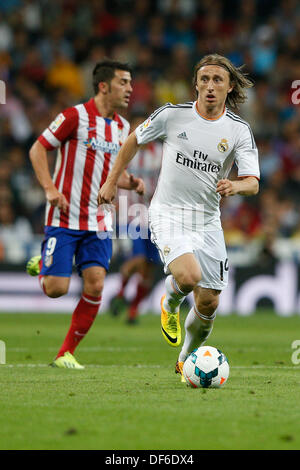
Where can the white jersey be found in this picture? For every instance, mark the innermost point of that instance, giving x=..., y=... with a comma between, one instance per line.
x=197, y=153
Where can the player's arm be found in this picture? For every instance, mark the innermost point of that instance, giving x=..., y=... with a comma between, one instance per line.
x=245, y=186
x=58, y=131
x=128, y=150
x=39, y=160
x=129, y=181
x=246, y=159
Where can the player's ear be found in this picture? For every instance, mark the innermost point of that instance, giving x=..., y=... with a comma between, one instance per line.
x=231, y=87
x=103, y=87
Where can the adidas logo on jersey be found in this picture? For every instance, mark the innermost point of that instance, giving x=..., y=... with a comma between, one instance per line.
x=182, y=136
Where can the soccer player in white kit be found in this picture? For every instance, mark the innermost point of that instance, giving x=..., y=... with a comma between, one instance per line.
x=201, y=142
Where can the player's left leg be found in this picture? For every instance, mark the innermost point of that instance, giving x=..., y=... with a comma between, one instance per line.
x=86, y=310
x=199, y=321
x=186, y=274
x=212, y=257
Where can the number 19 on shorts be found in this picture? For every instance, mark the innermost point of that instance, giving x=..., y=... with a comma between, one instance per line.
x=223, y=267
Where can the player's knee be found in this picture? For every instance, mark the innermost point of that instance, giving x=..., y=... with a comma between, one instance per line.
x=208, y=306
x=55, y=291
x=188, y=281
x=93, y=287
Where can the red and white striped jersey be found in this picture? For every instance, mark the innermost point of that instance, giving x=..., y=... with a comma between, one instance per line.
x=87, y=148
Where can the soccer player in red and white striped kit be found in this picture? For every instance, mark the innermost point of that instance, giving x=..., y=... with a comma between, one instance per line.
x=88, y=137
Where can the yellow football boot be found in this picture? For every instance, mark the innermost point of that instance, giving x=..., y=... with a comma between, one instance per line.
x=170, y=326
x=67, y=361
x=33, y=265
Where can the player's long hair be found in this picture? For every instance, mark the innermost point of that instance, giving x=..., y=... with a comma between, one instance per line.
x=237, y=78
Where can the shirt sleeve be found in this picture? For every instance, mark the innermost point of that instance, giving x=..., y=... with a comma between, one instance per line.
x=154, y=127
x=246, y=154
x=60, y=129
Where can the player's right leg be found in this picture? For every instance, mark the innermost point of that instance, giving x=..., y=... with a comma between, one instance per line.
x=185, y=275
x=176, y=249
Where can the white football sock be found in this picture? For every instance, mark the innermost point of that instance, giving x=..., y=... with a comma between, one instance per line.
x=197, y=329
x=174, y=296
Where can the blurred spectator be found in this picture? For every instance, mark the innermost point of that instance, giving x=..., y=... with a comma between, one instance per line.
x=270, y=161
x=263, y=51
x=65, y=74
x=96, y=54
x=15, y=235
x=6, y=36
x=19, y=123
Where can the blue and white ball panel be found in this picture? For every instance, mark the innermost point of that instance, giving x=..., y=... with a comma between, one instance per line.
x=206, y=367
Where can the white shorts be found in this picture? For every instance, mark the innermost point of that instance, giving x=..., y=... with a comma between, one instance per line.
x=208, y=247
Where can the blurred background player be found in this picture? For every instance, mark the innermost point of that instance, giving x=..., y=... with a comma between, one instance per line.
x=144, y=256
x=88, y=137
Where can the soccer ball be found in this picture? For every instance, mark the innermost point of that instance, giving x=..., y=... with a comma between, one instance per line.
x=206, y=367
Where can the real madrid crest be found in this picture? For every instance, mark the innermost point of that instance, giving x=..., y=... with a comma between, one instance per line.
x=223, y=146
x=167, y=250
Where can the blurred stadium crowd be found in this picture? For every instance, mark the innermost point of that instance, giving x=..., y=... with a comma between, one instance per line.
x=47, y=53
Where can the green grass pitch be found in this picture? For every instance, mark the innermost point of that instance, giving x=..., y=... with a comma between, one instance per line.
x=129, y=397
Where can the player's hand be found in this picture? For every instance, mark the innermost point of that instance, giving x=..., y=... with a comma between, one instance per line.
x=107, y=193
x=57, y=199
x=226, y=188
x=137, y=184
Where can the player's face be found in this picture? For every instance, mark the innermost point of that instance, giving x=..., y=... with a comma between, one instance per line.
x=120, y=89
x=213, y=85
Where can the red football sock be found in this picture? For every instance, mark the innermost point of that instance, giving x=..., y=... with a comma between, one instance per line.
x=41, y=281
x=141, y=292
x=82, y=319
x=41, y=277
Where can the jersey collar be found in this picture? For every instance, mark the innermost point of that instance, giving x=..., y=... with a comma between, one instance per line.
x=195, y=108
x=92, y=108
